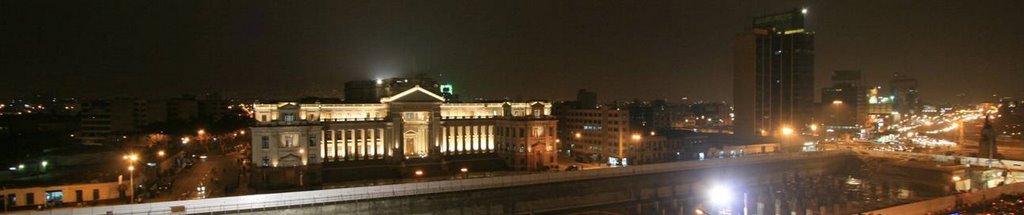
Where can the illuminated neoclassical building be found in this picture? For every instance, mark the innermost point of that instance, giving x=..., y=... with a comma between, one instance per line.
x=415, y=125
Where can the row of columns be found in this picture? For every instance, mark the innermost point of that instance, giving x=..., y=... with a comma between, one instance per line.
x=470, y=139
x=354, y=144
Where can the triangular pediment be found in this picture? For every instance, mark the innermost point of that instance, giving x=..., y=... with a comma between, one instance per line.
x=288, y=106
x=415, y=94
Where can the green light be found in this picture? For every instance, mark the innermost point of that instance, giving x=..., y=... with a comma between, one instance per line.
x=447, y=88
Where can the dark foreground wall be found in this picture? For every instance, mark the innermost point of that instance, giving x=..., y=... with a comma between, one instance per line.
x=669, y=193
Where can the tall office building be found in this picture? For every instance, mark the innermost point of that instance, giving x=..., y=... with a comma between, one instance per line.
x=774, y=75
x=904, y=90
x=844, y=104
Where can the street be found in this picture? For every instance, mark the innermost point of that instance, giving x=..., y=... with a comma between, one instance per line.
x=215, y=176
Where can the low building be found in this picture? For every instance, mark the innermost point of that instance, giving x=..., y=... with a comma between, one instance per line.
x=60, y=195
x=596, y=135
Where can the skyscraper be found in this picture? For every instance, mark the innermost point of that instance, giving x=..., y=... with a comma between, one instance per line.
x=774, y=75
x=904, y=88
x=844, y=104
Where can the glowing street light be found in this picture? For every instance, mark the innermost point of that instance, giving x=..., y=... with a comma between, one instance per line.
x=201, y=132
x=787, y=131
x=419, y=172
x=956, y=178
x=464, y=170
x=814, y=127
x=160, y=153
x=720, y=195
x=636, y=137
x=578, y=135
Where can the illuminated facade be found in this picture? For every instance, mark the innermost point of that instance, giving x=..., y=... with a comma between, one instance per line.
x=415, y=125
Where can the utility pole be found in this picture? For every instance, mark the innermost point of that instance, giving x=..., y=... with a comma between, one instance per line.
x=3, y=195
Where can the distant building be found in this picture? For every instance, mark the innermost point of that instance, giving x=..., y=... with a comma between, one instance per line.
x=904, y=90
x=586, y=99
x=372, y=91
x=414, y=129
x=596, y=135
x=774, y=75
x=211, y=107
x=987, y=147
x=844, y=104
x=103, y=119
x=880, y=110
x=185, y=108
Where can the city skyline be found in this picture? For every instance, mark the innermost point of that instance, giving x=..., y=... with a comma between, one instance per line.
x=512, y=107
x=251, y=50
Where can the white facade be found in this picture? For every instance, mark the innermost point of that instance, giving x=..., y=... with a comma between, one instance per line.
x=414, y=124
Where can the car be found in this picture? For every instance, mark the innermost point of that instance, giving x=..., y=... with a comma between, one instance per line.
x=572, y=168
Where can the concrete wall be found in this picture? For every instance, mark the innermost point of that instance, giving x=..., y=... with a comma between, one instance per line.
x=334, y=196
x=949, y=202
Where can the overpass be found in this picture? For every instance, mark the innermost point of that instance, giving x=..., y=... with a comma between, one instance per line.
x=668, y=187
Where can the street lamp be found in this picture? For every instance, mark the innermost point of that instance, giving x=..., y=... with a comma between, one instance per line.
x=720, y=197
x=160, y=153
x=131, y=183
x=131, y=175
x=787, y=131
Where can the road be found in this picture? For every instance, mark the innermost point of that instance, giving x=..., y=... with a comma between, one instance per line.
x=215, y=173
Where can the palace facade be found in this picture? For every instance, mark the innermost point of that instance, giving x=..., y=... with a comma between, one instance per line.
x=413, y=126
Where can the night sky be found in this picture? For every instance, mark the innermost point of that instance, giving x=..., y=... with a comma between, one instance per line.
x=532, y=49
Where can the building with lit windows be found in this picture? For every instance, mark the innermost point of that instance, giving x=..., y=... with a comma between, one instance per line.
x=415, y=127
x=905, y=95
x=596, y=135
x=844, y=104
x=774, y=76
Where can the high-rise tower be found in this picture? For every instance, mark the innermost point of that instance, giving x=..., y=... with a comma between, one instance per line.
x=774, y=75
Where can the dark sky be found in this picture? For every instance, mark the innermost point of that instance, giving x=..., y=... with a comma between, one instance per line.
x=533, y=49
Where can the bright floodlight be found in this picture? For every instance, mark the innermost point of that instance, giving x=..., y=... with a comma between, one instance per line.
x=720, y=195
x=787, y=131
x=803, y=11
